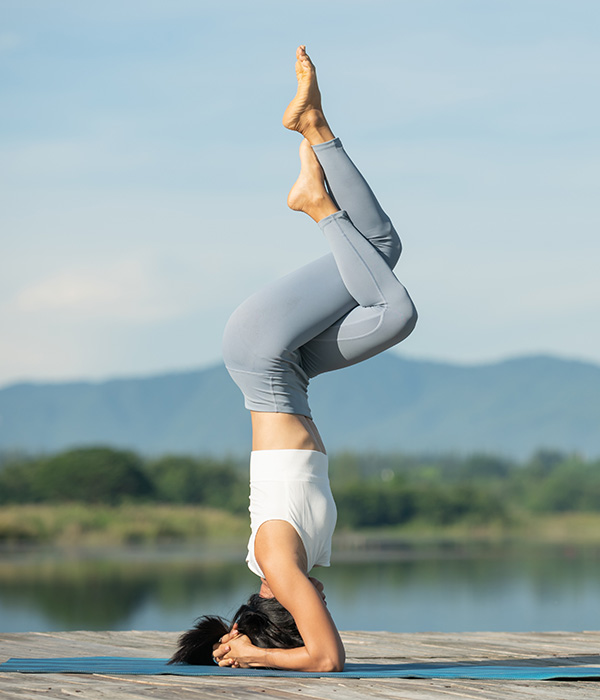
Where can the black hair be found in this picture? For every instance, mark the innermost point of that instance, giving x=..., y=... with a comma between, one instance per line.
x=263, y=620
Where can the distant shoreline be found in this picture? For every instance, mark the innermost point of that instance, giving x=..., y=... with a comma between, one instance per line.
x=97, y=526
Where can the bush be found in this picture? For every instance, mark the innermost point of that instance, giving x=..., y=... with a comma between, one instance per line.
x=573, y=485
x=179, y=479
x=17, y=483
x=370, y=504
x=91, y=475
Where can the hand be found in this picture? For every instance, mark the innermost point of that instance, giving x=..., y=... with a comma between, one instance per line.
x=222, y=647
x=238, y=652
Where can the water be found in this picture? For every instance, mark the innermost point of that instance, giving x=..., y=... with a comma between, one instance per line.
x=408, y=590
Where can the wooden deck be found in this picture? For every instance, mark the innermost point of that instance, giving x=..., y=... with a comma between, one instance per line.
x=561, y=648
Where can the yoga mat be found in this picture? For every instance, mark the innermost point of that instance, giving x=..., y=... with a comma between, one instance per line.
x=118, y=665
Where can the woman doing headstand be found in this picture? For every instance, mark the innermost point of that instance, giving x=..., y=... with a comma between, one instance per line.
x=334, y=312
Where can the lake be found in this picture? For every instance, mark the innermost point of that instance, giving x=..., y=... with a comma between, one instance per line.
x=400, y=588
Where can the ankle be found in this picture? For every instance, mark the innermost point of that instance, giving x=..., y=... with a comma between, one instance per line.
x=320, y=208
x=315, y=128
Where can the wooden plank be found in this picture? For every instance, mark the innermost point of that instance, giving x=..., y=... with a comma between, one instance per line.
x=173, y=688
x=500, y=648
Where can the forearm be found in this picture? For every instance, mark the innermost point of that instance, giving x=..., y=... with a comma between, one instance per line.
x=298, y=659
x=237, y=651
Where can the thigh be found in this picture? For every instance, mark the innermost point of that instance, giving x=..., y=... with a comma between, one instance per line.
x=286, y=314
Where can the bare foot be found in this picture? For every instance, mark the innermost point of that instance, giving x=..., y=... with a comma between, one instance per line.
x=305, y=112
x=309, y=193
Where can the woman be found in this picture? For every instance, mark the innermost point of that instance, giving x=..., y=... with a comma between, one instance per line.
x=341, y=309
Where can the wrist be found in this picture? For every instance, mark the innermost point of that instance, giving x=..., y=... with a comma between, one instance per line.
x=262, y=658
x=252, y=657
x=265, y=658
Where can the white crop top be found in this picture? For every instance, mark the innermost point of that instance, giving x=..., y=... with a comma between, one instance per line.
x=293, y=485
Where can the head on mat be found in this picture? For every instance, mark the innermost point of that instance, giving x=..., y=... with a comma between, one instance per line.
x=342, y=308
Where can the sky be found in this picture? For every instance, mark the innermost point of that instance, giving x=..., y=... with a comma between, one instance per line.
x=144, y=172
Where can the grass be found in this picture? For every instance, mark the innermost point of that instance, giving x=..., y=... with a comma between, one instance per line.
x=106, y=525
x=90, y=525
x=527, y=528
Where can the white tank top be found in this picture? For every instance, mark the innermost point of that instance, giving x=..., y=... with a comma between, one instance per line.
x=293, y=485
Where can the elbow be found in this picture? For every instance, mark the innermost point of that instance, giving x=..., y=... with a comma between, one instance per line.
x=331, y=664
x=336, y=667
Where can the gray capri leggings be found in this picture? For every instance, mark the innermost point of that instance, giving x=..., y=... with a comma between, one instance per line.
x=334, y=312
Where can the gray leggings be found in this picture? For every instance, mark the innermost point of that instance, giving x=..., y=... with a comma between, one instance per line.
x=334, y=312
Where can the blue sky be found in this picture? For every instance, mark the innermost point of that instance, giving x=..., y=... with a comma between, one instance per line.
x=144, y=171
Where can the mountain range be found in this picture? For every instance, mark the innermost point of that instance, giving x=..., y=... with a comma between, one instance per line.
x=389, y=403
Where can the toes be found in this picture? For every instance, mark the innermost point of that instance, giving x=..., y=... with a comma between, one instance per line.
x=301, y=55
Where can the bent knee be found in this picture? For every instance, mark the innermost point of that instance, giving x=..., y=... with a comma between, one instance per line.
x=401, y=316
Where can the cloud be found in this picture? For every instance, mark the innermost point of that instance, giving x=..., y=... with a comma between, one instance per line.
x=124, y=290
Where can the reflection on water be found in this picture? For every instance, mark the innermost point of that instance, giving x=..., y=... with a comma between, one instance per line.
x=119, y=589
x=404, y=591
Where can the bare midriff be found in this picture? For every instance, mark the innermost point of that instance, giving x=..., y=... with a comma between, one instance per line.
x=284, y=431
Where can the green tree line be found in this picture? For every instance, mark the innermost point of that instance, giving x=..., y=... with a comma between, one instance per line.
x=104, y=475
x=370, y=489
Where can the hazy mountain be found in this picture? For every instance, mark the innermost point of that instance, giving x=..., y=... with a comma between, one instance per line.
x=387, y=403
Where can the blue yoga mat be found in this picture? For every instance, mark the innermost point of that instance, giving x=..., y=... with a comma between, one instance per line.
x=119, y=665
